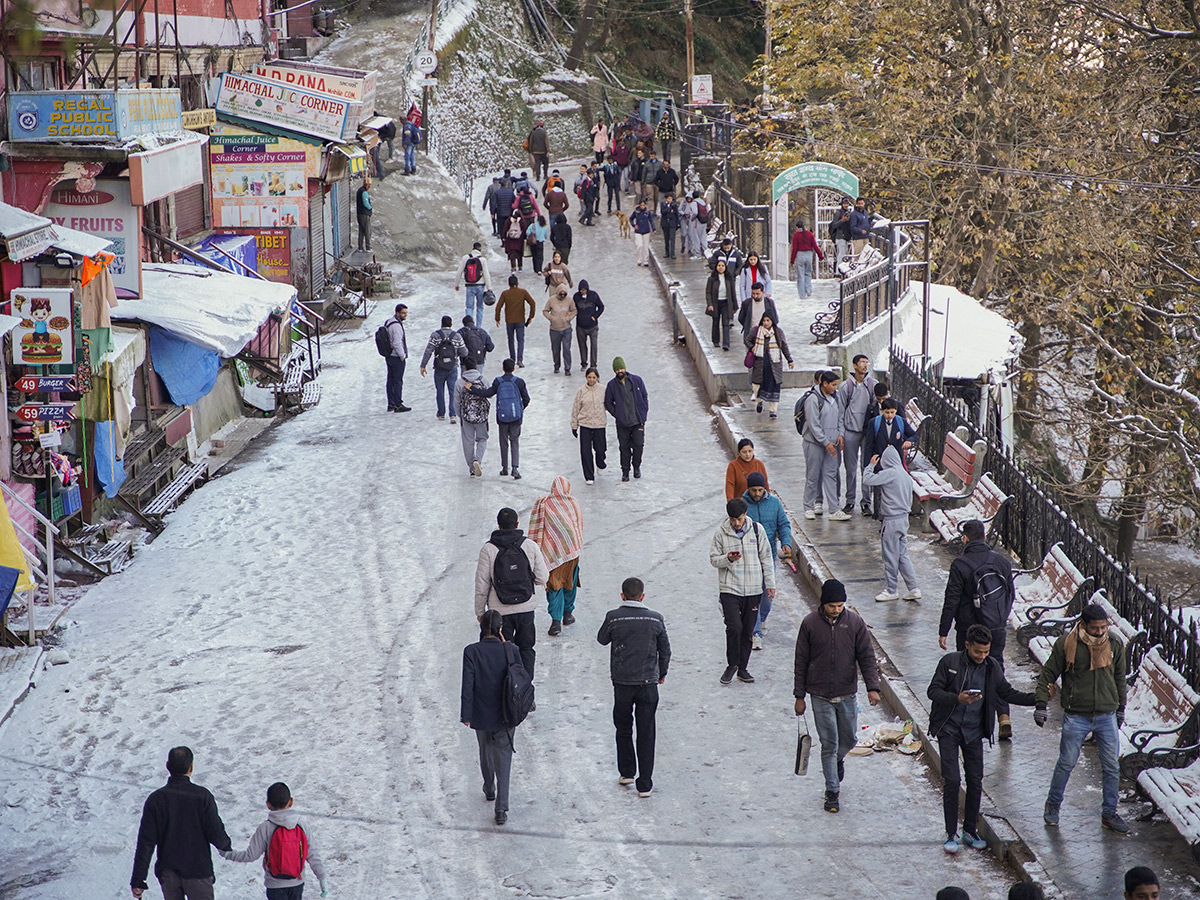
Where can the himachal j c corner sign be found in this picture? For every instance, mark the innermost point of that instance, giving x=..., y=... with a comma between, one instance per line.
x=814, y=174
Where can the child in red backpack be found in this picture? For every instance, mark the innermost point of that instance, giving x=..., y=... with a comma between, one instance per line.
x=283, y=844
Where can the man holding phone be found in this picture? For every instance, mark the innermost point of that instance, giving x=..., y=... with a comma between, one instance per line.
x=741, y=554
x=966, y=690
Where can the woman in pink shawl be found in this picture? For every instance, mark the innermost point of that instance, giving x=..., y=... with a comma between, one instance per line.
x=556, y=526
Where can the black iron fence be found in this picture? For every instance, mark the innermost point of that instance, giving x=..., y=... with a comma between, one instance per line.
x=1036, y=517
x=750, y=223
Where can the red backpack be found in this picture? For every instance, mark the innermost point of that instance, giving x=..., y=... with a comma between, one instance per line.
x=287, y=852
x=473, y=270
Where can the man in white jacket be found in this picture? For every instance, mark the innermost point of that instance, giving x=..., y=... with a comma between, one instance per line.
x=512, y=594
x=473, y=269
x=741, y=554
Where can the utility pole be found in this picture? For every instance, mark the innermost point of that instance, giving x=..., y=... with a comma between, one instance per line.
x=767, y=53
x=425, y=123
x=691, y=49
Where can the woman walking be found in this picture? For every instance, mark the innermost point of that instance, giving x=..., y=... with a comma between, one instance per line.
x=557, y=274
x=536, y=236
x=514, y=244
x=770, y=349
x=599, y=134
x=589, y=423
x=720, y=293
x=556, y=526
x=560, y=236
x=805, y=253
x=753, y=271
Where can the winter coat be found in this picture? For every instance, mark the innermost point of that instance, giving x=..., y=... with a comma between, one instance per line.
x=749, y=320
x=485, y=594
x=179, y=821
x=557, y=202
x=958, y=607
x=733, y=260
x=470, y=378
x=736, y=472
x=437, y=337
x=512, y=304
x=751, y=573
x=388, y=131
x=666, y=180
x=398, y=338
x=599, y=138
x=650, y=170
x=588, y=408
x=642, y=221
x=615, y=405
x=539, y=141
x=880, y=435
x=1085, y=691
x=829, y=653
x=558, y=276
x=949, y=680
x=860, y=225
x=410, y=135
x=839, y=229
x=478, y=341
x=362, y=201
x=560, y=233
x=640, y=651
x=521, y=389
x=894, y=483
x=539, y=233
x=485, y=668
x=589, y=307
x=621, y=154
x=804, y=241
x=560, y=311
x=823, y=423
x=462, y=271
x=855, y=398
x=778, y=353
x=747, y=278
x=260, y=842
x=769, y=513
x=612, y=174
x=502, y=200
x=711, y=288
x=636, y=166
x=668, y=214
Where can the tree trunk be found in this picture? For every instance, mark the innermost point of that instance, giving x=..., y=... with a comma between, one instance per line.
x=582, y=29
x=1096, y=462
x=1132, y=508
x=1027, y=383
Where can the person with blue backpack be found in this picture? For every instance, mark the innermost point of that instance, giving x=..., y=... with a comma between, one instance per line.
x=511, y=399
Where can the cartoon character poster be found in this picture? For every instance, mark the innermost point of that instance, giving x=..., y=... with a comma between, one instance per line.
x=46, y=335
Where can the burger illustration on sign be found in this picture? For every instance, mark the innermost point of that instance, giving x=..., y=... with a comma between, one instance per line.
x=40, y=346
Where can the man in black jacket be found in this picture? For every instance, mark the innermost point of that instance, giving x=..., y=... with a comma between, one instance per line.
x=967, y=688
x=588, y=310
x=959, y=606
x=638, y=664
x=179, y=821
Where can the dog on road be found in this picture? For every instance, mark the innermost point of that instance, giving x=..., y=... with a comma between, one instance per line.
x=623, y=222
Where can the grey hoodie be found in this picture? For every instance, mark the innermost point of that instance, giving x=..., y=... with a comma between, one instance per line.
x=261, y=839
x=470, y=376
x=894, y=482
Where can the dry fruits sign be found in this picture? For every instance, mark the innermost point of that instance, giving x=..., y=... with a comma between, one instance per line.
x=263, y=100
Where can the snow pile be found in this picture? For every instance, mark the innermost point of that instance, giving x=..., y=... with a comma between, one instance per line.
x=979, y=339
x=547, y=101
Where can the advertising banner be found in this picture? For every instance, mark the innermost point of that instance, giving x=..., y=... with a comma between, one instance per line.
x=92, y=115
x=106, y=211
x=263, y=100
x=46, y=335
x=260, y=180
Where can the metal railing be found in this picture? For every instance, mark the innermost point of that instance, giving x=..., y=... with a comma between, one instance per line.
x=750, y=223
x=1036, y=517
x=865, y=295
x=41, y=564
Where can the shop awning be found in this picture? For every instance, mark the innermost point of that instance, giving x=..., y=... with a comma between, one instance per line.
x=80, y=243
x=375, y=122
x=356, y=156
x=24, y=234
x=213, y=310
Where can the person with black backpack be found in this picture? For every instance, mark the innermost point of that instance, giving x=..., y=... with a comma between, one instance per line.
x=486, y=668
x=979, y=591
x=391, y=341
x=479, y=342
x=445, y=347
x=510, y=568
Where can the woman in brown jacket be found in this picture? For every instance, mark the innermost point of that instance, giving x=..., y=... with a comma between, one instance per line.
x=770, y=349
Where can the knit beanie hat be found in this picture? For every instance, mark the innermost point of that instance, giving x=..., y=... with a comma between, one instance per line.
x=832, y=591
x=756, y=479
x=618, y=363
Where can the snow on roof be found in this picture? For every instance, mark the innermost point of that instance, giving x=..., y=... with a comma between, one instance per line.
x=211, y=309
x=14, y=220
x=79, y=242
x=979, y=339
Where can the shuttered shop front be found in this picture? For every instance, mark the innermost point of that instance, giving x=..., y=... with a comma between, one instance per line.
x=316, y=240
x=189, y=212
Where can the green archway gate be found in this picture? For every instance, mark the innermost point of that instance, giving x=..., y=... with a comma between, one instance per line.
x=831, y=183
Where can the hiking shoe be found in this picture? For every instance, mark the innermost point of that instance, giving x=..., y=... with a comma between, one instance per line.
x=727, y=675
x=391, y=409
x=756, y=642
x=1050, y=814
x=626, y=779
x=831, y=801
x=809, y=514
x=646, y=793
x=453, y=421
x=841, y=770
x=974, y=841
x=1113, y=822
x=865, y=510
x=951, y=845
x=914, y=594
x=568, y=619
x=403, y=408
x=1005, y=728
x=886, y=596
x=476, y=470
x=501, y=818
x=839, y=516
x=848, y=508
x=516, y=475
x=489, y=795
x=555, y=628
x=504, y=471
x=745, y=676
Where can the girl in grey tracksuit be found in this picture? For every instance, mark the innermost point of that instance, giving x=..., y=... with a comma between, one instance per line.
x=895, y=502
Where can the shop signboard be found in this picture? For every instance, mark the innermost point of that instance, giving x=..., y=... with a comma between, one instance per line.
x=105, y=211
x=46, y=384
x=46, y=335
x=349, y=84
x=284, y=106
x=198, y=119
x=92, y=115
x=260, y=180
x=46, y=412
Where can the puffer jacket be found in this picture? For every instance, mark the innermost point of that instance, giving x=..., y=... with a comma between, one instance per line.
x=754, y=571
x=640, y=651
x=828, y=655
x=588, y=408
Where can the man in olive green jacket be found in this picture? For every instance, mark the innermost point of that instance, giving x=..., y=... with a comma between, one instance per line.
x=1091, y=662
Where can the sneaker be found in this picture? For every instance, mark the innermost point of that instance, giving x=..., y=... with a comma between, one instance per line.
x=516, y=475
x=637, y=473
x=840, y=516
x=626, y=779
x=810, y=514
x=1113, y=822
x=568, y=619
x=885, y=596
x=951, y=845
x=831, y=801
x=914, y=594
x=601, y=465
x=865, y=509
x=403, y=408
x=841, y=770
x=745, y=676
x=1005, y=728
x=590, y=481
x=624, y=476
x=441, y=418
x=501, y=818
x=774, y=415
x=645, y=793
x=520, y=364
x=555, y=628
x=391, y=409
x=477, y=470
x=453, y=421
x=504, y=471
x=1050, y=814
x=756, y=642
x=727, y=675
x=819, y=508
x=556, y=371
x=471, y=472
x=848, y=508
x=974, y=841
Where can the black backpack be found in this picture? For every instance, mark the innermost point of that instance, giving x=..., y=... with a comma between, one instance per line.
x=801, y=413
x=992, y=600
x=444, y=354
x=512, y=576
x=517, y=696
x=525, y=205
x=383, y=340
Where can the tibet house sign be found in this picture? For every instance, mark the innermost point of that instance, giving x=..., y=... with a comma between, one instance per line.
x=70, y=116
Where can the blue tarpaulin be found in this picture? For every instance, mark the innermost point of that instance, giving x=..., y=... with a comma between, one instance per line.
x=110, y=471
x=241, y=247
x=188, y=371
x=8, y=584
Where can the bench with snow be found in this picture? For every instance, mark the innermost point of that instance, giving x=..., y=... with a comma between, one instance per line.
x=849, y=266
x=1044, y=606
x=963, y=466
x=915, y=419
x=185, y=481
x=1160, y=718
x=1176, y=794
x=297, y=389
x=985, y=504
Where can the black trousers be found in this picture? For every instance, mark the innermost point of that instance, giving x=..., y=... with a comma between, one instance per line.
x=999, y=635
x=635, y=704
x=741, y=615
x=593, y=445
x=614, y=193
x=631, y=440
x=669, y=239
x=521, y=630
x=536, y=251
x=395, y=380
x=364, y=230
x=950, y=743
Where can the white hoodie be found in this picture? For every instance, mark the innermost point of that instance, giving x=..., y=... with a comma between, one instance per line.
x=261, y=839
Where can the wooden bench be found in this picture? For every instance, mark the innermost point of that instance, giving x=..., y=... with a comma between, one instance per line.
x=985, y=504
x=111, y=557
x=1160, y=717
x=963, y=465
x=187, y=480
x=310, y=396
x=1042, y=607
x=1176, y=794
x=851, y=266
x=915, y=419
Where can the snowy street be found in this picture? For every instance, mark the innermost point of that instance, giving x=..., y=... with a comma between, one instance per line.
x=302, y=618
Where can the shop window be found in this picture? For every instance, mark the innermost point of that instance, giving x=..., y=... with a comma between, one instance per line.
x=38, y=74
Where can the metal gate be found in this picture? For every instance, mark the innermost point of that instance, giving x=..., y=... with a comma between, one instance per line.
x=826, y=203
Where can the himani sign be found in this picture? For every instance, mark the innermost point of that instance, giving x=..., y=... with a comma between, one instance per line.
x=68, y=116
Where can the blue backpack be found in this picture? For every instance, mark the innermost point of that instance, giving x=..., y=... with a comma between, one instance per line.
x=508, y=400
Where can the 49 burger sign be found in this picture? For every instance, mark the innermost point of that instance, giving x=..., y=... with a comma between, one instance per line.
x=285, y=106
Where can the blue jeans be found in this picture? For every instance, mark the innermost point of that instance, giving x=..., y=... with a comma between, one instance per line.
x=516, y=351
x=475, y=297
x=286, y=893
x=1075, y=728
x=805, y=260
x=837, y=727
x=765, y=604
x=395, y=380
x=444, y=381
x=410, y=158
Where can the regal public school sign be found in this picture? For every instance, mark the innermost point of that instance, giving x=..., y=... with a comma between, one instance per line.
x=68, y=116
x=814, y=174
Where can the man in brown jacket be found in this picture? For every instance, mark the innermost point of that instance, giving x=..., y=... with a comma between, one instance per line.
x=560, y=310
x=832, y=646
x=512, y=303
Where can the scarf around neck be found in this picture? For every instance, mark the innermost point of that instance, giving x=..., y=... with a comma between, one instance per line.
x=1100, y=648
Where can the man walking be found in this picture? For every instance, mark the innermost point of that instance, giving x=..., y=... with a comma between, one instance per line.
x=741, y=554
x=473, y=269
x=895, y=488
x=855, y=396
x=823, y=441
x=511, y=399
x=638, y=664
x=410, y=137
x=649, y=180
x=979, y=591
x=839, y=233
x=446, y=347
x=588, y=308
x=510, y=567
x=479, y=342
x=179, y=823
x=538, y=147
x=560, y=311
x=642, y=221
x=396, y=359
x=767, y=510
x=668, y=216
x=965, y=691
x=512, y=305
x=860, y=226
x=626, y=400
x=470, y=396
x=362, y=205
x=1091, y=662
x=832, y=644
x=485, y=668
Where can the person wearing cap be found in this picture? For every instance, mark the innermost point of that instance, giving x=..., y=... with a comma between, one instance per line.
x=741, y=554
x=1090, y=660
x=478, y=280
x=833, y=646
x=732, y=256
x=537, y=145
x=590, y=308
x=766, y=509
x=560, y=311
x=626, y=400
